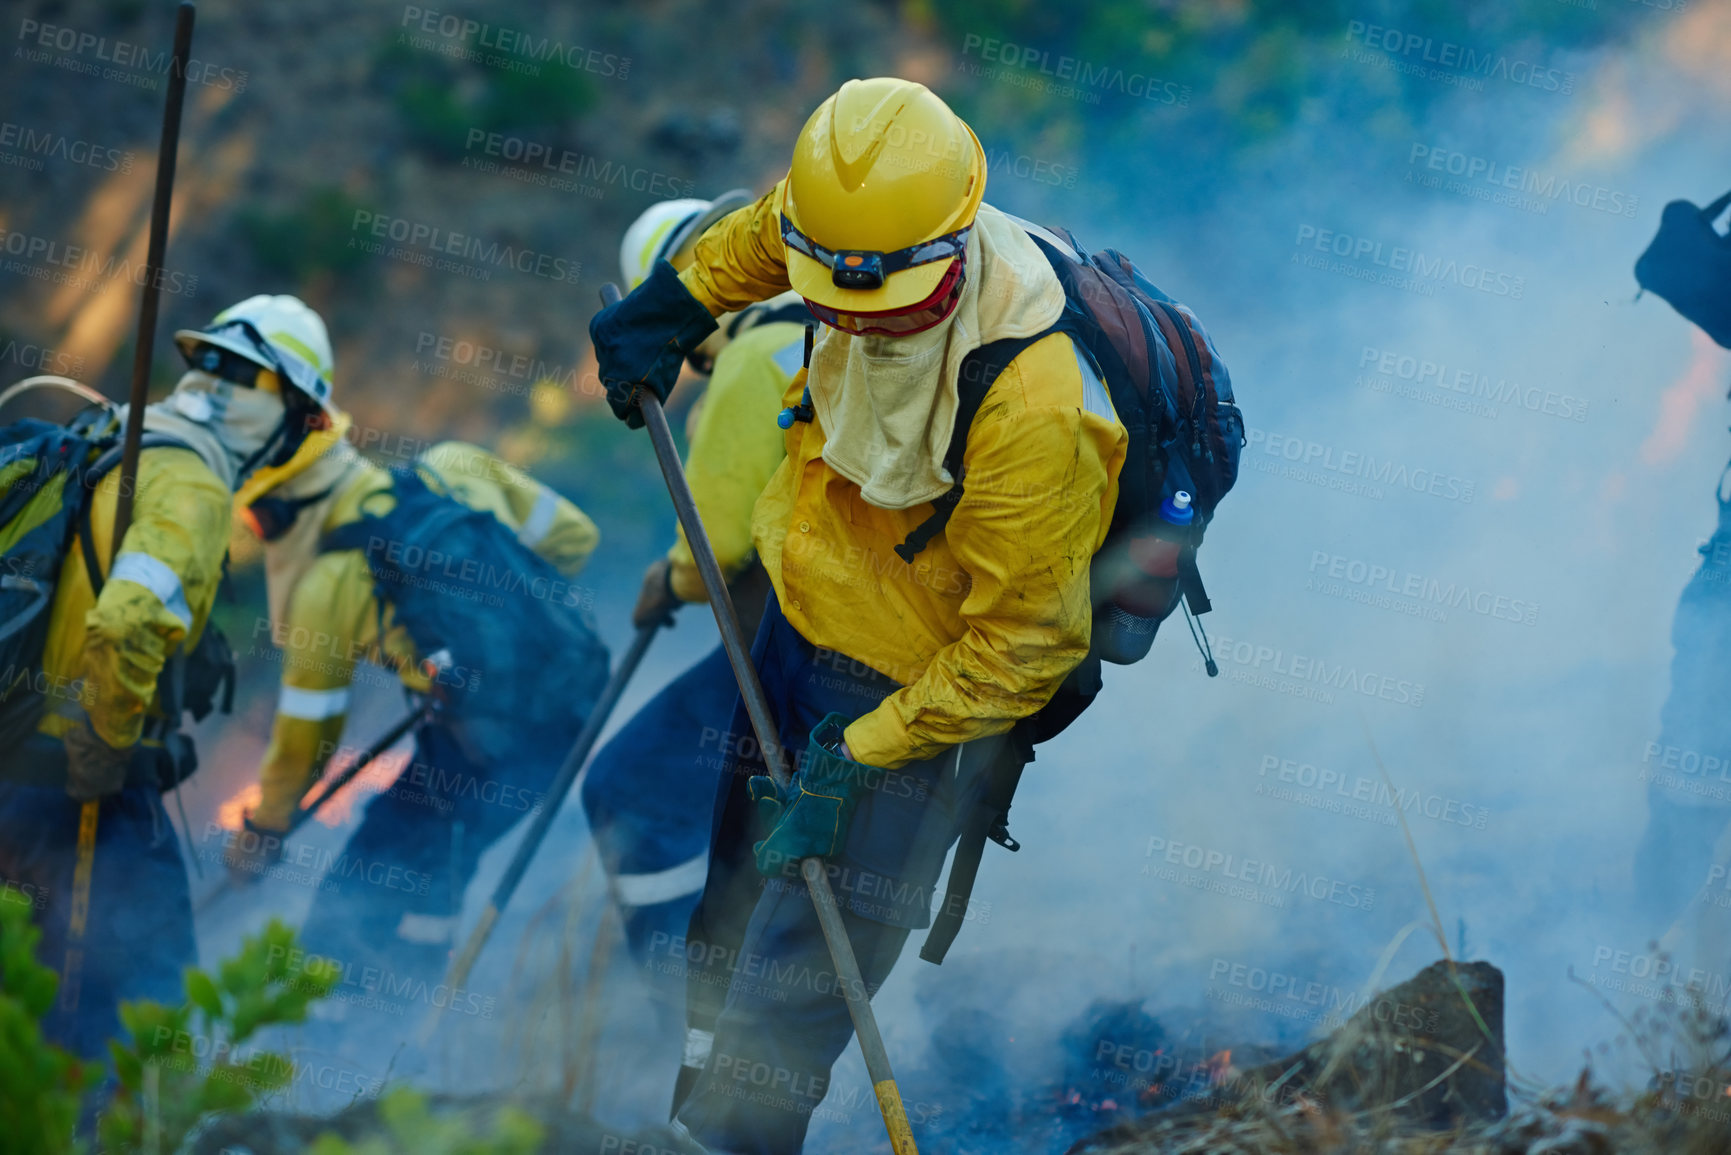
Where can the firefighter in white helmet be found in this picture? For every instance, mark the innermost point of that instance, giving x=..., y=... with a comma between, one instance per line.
x=452, y=574
x=130, y=627
x=654, y=843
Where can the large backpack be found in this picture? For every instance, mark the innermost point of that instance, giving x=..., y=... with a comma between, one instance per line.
x=48, y=474
x=520, y=656
x=1173, y=395
x=1167, y=382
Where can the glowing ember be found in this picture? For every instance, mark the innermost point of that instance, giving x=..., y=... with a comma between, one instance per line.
x=375, y=779
x=1682, y=400
x=235, y=807
x=1218, y=1066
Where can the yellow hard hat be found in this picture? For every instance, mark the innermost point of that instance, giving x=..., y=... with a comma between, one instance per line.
x=884, y=183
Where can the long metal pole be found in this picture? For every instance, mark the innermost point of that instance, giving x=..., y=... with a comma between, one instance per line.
x=537, y=832
x=859, y=1006
x=144, y=348
x=366, y=758
x=84, y=868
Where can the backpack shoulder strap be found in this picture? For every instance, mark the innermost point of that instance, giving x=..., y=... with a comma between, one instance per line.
x=100, y=468
x=351, y=535
x=979, y=369
x=406, y=486
x=414, y=496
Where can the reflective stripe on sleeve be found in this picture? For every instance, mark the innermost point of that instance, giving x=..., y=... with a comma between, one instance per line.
x=154, y=575
x=313, y=705
x=664, y=885
x=540, y=519
x=1095, y=399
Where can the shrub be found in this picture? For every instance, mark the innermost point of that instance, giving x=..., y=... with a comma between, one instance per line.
x=39, y=1082
x=184, y=1064
x=315, y=236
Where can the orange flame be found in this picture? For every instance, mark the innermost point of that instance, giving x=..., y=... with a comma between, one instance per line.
x=375, y=779
x=236, y=806
x=1698, y=385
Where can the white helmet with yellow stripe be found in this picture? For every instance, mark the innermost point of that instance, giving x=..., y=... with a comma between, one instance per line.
x=668, y=231
x=280, y=333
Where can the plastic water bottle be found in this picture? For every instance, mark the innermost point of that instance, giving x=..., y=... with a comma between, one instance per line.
x=1126, y=624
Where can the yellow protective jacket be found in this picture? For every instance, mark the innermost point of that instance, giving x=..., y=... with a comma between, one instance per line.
x=333, y=619
x=990, y=618
x=736, y=447
x=156, y=596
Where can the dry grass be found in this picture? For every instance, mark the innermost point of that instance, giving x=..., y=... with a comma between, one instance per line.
x=1345, y=1094
x=1684, y=1110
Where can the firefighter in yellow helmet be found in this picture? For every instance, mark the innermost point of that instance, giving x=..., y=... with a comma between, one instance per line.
x=900, y=681
x=130, y=647
x=450, y=575
x=654, y=843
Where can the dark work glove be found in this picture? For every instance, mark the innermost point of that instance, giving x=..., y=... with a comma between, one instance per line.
x=656, y=601
x=93, y=767
x=811, y=819
x=251, y=853
x=642, y=341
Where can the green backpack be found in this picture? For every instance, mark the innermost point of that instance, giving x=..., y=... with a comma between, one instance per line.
x=47, y=476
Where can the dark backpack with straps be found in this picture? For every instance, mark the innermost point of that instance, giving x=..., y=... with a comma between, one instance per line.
x=1167, y=382
x=44, y=478
x=1689, y=265
x=1173, y=396
x=507, y=641
x=48, y=475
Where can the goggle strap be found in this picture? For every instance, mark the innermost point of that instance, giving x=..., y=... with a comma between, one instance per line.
x=952, y=244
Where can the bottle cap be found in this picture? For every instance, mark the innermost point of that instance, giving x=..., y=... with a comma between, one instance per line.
x=1177, y=510
x=785, y=419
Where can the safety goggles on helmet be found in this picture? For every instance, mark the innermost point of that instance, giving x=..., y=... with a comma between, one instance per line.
x=915, y=318
x=225, y=364
x=294, y=370
x=862, y=269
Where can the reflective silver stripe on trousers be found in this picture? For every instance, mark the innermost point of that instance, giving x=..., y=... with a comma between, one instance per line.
x=426, y=928
x=154, y=575
x=312, y=705
x=540, y=519
x=698, y=1044
x=663, y=885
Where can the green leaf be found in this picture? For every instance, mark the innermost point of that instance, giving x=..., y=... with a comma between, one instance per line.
x=201, y=990
x=128, y=1068
x=225, y=1089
